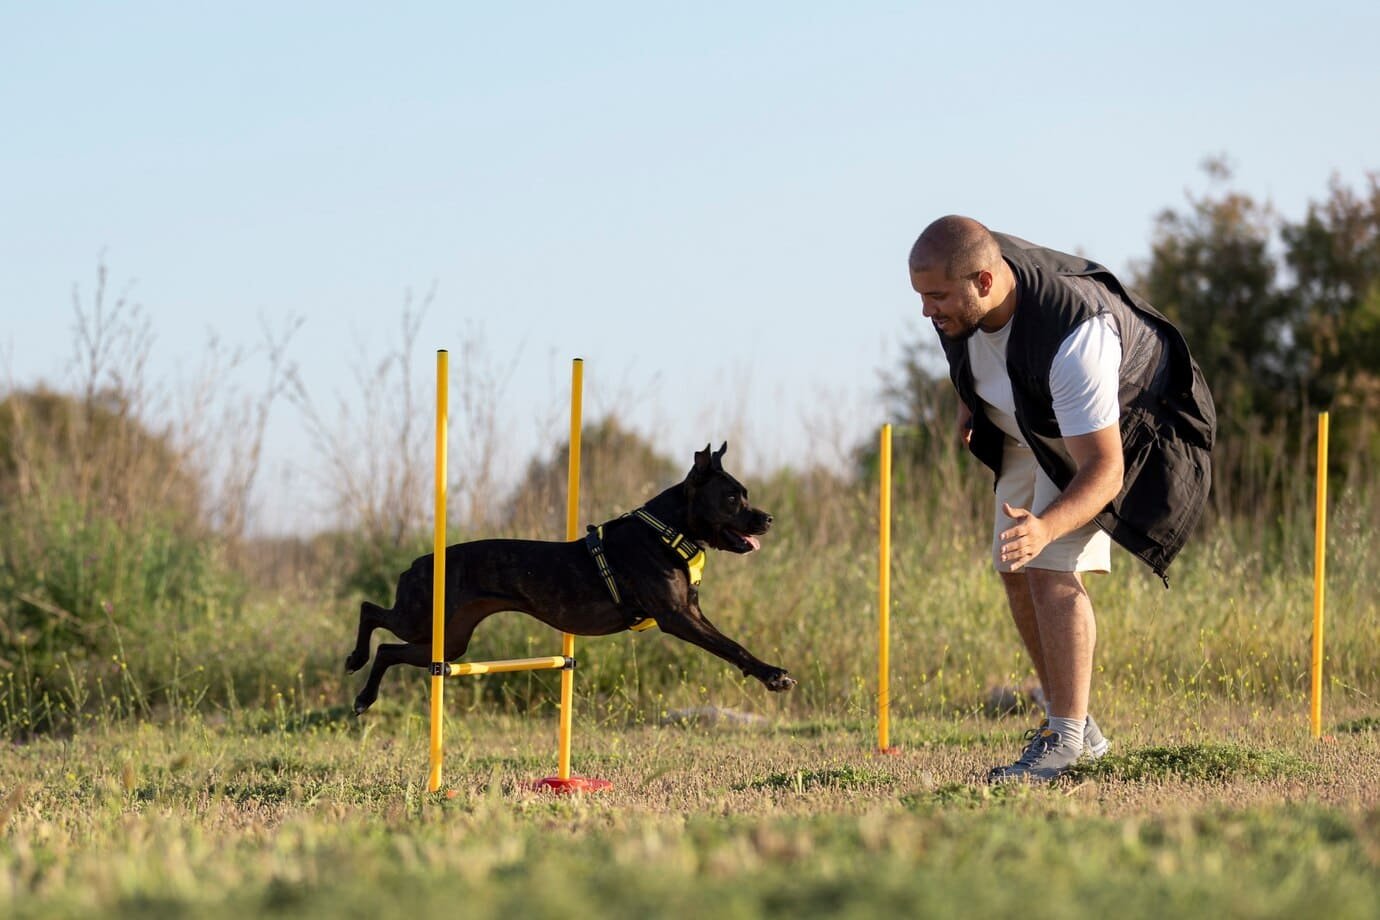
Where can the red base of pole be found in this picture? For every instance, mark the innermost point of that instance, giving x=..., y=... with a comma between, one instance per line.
x=889, y=750
x=573, y=784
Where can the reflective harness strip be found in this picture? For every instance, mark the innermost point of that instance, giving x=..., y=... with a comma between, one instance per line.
x=688, y=550
x=594, y=542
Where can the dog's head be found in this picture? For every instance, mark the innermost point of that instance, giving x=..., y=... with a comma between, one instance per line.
x=719, y=512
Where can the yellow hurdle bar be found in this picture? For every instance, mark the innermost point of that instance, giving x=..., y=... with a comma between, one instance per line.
x=1319, y=571
x=549, y=663
x=438, y=583
x=884, y=600
x=572, y=525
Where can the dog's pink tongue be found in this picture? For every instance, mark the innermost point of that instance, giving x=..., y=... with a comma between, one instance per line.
x=752, y=541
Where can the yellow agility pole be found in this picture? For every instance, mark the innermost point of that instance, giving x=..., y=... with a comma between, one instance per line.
x=548, y=663
x=1319, y=571
x=563, y=781
x=572, y=525
x=438, y=582
x=884, y=602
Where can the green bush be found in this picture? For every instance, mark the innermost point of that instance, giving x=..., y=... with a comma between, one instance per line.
x=83, y=594
x=105, y=558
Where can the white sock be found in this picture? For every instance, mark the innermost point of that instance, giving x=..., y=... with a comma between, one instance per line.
x=1070, y=731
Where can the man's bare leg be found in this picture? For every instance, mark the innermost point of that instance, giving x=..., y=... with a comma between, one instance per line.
x=1067, y=638
x=1023, y=613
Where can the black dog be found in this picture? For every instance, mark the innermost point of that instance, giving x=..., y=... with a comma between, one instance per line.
x=649, y=572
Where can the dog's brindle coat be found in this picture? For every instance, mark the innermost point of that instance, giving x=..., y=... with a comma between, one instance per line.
x=558, y=583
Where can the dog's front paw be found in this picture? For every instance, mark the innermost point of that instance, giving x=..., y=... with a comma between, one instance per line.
x=779, y=682
x=364, y=701
x=355, y=661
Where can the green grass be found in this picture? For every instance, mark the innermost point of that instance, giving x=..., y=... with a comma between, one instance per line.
x=219, y=817
x=846, y=776
x=1201, y=762
x=212, y=767
x=1366, y=724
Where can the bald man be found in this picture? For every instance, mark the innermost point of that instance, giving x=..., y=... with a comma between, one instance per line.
x=1093, y=416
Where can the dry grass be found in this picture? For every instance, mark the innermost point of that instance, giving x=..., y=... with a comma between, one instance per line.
x=299, y=813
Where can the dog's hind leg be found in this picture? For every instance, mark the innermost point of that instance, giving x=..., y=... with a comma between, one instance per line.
x=459, y=629
x=417, y=654
x=464, y=617
x=409, y=618
x=370, y=618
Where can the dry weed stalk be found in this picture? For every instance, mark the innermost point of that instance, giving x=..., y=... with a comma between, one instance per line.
x=377, y=451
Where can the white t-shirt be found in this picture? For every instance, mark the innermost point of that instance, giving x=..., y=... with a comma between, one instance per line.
x=1083, y=379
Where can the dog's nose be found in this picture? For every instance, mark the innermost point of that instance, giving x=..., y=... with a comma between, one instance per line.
x=768, y=517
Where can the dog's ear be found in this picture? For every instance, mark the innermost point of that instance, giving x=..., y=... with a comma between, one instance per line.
x=703, y=460
x=718, y=457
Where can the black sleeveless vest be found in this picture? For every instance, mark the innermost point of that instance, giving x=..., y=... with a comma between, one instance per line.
x=1168, y=421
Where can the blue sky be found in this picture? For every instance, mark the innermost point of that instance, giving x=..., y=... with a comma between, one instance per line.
x=711, y=203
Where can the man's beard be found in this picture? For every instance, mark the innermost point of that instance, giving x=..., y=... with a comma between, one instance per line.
x=962, y=336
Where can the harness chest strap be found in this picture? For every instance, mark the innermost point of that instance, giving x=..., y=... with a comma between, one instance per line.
x=594, y=542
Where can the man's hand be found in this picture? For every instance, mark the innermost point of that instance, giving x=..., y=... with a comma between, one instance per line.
x=965, y=424
x=1025, y=539
x=1098, y=459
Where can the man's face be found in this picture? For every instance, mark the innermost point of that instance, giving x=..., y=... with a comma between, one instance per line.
x=955, y=306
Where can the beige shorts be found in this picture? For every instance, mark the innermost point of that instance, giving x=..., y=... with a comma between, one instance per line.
x=1023, y=484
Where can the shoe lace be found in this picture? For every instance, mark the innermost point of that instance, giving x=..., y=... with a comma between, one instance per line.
x=1041, y=739
x=1031, y=734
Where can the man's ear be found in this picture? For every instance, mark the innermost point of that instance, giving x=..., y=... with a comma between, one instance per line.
x=984, y=281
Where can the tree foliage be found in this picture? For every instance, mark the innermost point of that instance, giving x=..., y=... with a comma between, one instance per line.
x=1211, y=271
x=1284, y=317
x=1334, y=255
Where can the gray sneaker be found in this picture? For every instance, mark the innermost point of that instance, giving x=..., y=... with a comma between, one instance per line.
x=997, y=774
x=1094, y=744
x=1043, y=759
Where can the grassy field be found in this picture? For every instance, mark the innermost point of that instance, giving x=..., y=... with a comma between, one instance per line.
x=160, y=780
x=174, y=736
x=1198, y=811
